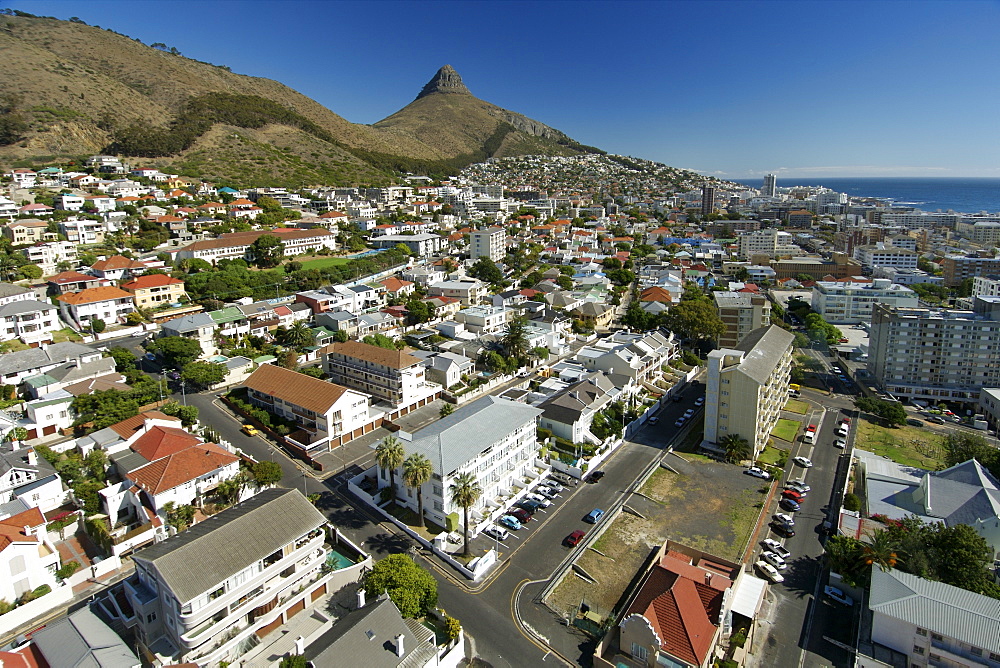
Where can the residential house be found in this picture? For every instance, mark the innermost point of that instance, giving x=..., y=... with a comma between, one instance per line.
x=80, y=638
x=199, y=327
x=11, y=293
x=631, y=359
x=424, y=275
x=26, y=476
x=569, y=413
x=328, y=415
x=28, y=231
x=392, y=376
x=206, y=614
x=30, y=321
x=397, y=288
x=469, y=290
x=49, y=255
x=932, y=623
x=187, y=477
x=28, y=558
x=152, y=291
x=340, y=321
x=16, y=366
x=491, y=438
x=118, y=267
x=445, y=369
x=420, y=245
x=8, y=209
x=594, y=315
x=69, y=373
x=681, y=611
x=747, y=387
x=70, y=202
x=109, y=304
x=74, y=281
x=23, y=178
x=482, y=320
x=35, y=210
x=238, y=244
x=83, y=231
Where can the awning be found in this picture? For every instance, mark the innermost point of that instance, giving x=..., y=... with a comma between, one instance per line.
x=748, y=593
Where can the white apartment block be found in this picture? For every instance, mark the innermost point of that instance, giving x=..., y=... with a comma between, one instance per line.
x=201, y=595
x=8, y=209
x=770, y=242
x=884, y=255
x=470, y=291
x=84, y=231
x=237, y=244
x=31, y=321
x=486, y=319
x=494, y=439
x=70, y=202
x=936, y=354
x=747, y=386
x=916, y=220
x=906, y=276
x=329, y=415
x=106, y=303
x=984, y=233
x=50, y=254
x=933, y=623
x=986, y=286
x=391, y=376
x=491, y=243
x=850, y=302
x=421, y=245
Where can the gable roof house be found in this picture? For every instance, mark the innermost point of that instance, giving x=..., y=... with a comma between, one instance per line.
x=28, y=559
x=569, y=413
x=17, y=366
x=109, y=304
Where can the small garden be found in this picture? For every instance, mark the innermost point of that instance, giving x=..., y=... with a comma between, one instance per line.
x=907, y=445
x=238, y=398
x=786, y=429
x=796, y=406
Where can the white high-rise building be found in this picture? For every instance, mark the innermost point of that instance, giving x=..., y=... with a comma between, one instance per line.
x=491, y=243
x=770, y=185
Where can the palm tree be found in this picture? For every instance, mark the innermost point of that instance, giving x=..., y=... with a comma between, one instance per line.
x=389, y=455
x=737, y=448
x=515, y=339
x=465, y=491
x=880, y=550
x=299, y=335
x=417, y=470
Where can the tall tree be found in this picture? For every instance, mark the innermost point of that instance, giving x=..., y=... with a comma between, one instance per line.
x=299, y=335
x=267, y=251
x=486, y=270
x=465, y=491
x=389, y=455
x=695, y=319
x=417, y=470
x=880, y=549
x=515, y=339
x=411, y=588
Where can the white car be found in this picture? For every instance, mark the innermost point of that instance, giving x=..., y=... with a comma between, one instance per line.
x=539, y=499
x=679, y=423
x=498, y=533
x=699, y=401
x=769, y=571
x=798, y=485
x=841, y=431
x=804, y=462
x=838, y=595
x=776, y=547
x=840, y=443
x=774, y=560
x=546, y=491
x=689, y=412
x=757, y=472
x=783, y=519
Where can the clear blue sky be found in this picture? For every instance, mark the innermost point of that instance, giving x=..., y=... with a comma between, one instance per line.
x=737, y=89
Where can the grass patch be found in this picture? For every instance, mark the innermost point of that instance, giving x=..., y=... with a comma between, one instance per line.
x=796, y=406
x=909, y=446
x=13, y=346
x=325, y=262
x=409, y=518
x=65, y=334
x=771, y=456
x=786, y=429
x=693, y=440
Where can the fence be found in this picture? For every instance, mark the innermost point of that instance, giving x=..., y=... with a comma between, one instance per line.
x=22, y=614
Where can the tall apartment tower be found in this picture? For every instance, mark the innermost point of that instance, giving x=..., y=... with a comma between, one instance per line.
x=770, y=186
x=707, y=200
x=489, y=243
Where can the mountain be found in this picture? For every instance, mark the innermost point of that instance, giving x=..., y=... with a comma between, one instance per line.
x=69, y=90
x=447, y=116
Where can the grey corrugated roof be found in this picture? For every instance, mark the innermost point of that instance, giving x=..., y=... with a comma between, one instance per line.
x=956, y=613
x=34, y=358
x=188, y=323
x=211, y=551
x=458, y=438
x=568, y=405
x=82, y=640
x=763, y=348
x=9, y=290
x=368, y=637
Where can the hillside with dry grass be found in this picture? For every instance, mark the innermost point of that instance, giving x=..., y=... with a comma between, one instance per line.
x=68, y=90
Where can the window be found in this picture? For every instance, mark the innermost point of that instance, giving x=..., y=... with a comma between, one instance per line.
x=917, y=649
x=639, y=652
x=936, y=636
x=921, y=632
x=976, y=651
x=150, y=617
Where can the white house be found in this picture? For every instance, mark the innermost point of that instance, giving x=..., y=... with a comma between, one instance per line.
x=48, y=255
x=28, y=559
x=109, y=304
x=31, y=321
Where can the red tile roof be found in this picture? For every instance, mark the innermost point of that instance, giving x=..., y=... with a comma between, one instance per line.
x=181, y=467
x=71, y=277
x=126, y=428
x=117, y=262
x=393, y=284
x=151, y=281
x=161, y=442
x=12, y=528
x=296, y=388
x=93, y=295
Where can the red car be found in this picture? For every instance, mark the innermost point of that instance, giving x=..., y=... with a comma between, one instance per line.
x=811, y=427
x=793, y=495
x=574, y=538
x=522, y=515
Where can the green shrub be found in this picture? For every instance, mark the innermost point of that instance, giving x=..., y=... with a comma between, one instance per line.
x=68, y=569
x=852, y=502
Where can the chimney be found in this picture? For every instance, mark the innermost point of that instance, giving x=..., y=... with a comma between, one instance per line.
x=361, y=598
x=399, y=645
x=32, y=457
x=300, y=645
x=708, y=578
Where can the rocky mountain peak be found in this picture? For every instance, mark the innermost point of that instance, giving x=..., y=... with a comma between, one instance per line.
x=447, y=80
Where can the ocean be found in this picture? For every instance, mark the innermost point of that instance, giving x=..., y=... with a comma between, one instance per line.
x=965, y=195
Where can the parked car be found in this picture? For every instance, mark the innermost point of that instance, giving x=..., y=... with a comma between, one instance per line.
x=555, y=485
x=790, y=505
x=700, y=401
x=546, y=491
x=769, y=571
x=783, y=519
x=782, y=529
x=935, y=419
x=774, y=560
x=798, y=485
x=595, y=476
x=677, y=398
x=841, y=431
x=679, y=422
x=594, y=516
x=539, y=499
x=688, y=413
x=840, y=443
x=653, y=420
x=499, y=533
x=811, y=427
x=249, y=430
x=793, y=494
x=510, y=522
x=528, y=505
x=776, y=547
x=758, y=472
x=804, y=462
x=838, y=595
x=574, y=538
x=521, y=515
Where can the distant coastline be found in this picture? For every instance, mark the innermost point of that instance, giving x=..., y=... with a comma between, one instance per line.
x=965, y=195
